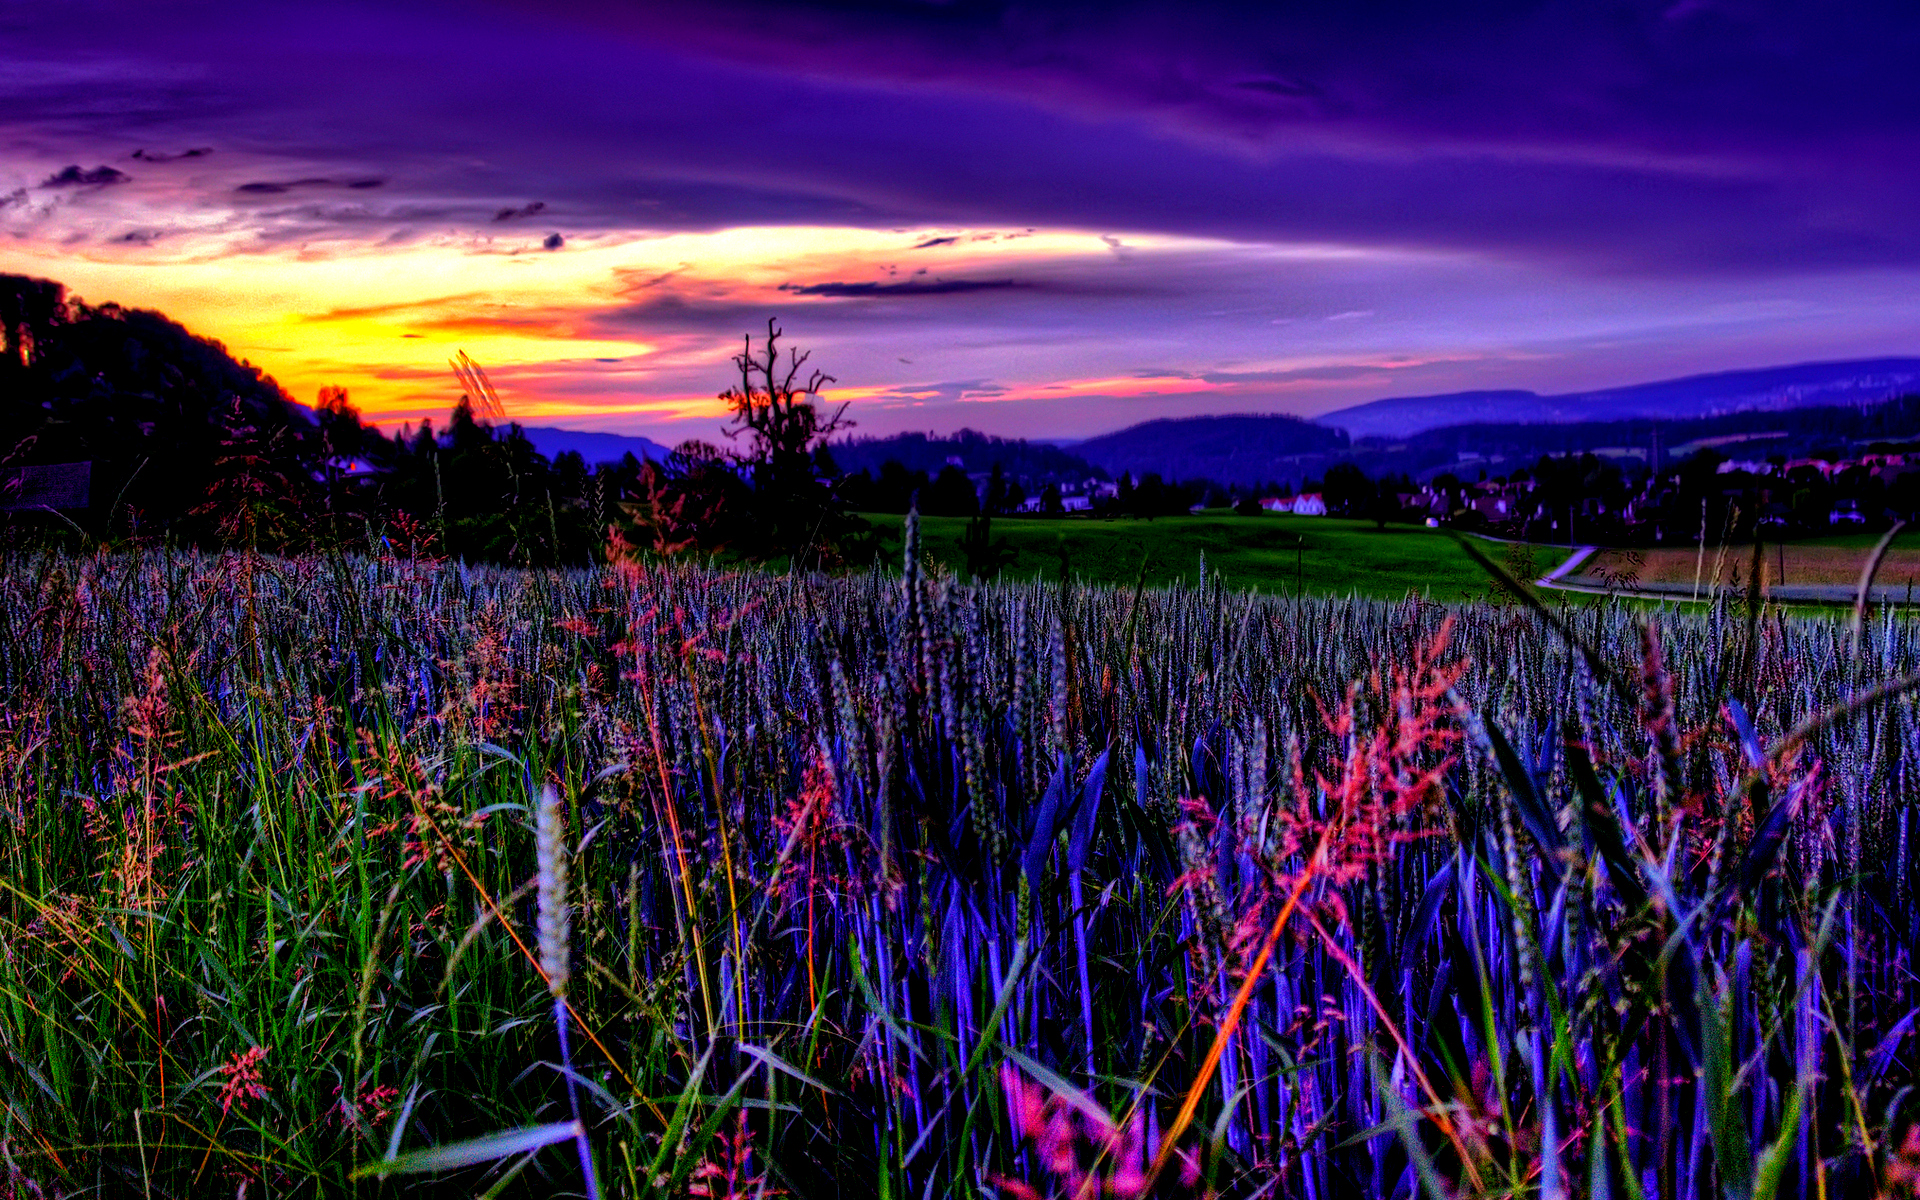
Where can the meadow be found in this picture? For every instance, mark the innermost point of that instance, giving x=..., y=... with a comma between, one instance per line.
x=1270, y=553
x=892, y=886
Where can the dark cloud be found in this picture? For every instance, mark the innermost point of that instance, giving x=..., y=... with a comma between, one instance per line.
x=553, y=241
x=909, y=287
x=938, y=241
x=75, y=176
x=525, y=210
x=1715, y=137
x=153, y=156
x=1642, y=74
x=271, y=188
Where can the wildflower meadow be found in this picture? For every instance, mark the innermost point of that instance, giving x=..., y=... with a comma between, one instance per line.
x=346, y=875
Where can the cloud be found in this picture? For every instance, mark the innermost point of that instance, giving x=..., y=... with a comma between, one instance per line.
x=1723, y=139
x=908, y=287
x=946, y=392
x=552, y=241
x=74, y=176
x=1553, y=196
x=271, y=188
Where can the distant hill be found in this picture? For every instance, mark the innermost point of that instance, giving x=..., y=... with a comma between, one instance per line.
x=1032, y=462
x=594, y=447
x=1768, y=388
x=1820, y=431
x=1247, y=449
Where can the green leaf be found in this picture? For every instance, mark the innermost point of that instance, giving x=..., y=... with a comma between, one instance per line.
x=478, y=1150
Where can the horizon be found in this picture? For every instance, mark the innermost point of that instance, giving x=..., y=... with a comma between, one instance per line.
x=1324, y=418
x=1034, y=224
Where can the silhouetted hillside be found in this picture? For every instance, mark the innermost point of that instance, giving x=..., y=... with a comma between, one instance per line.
x=1247, y=449
x=188, y=445
x=166, y=418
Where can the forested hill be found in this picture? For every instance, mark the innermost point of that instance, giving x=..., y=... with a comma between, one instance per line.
x=1247, y=449
x=186, y=444
x=1038, y=462
x=155, y=409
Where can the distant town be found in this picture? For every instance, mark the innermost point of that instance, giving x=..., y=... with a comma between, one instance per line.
x=1585, y=498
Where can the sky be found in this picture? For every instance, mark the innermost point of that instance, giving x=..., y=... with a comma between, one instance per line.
x=1038, y=221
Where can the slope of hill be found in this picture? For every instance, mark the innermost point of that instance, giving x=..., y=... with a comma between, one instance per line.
x=1823, y=431
x=1244, y=449
x=166, y=419
x=1033, y=462
x=1768, y=388
x=594, y=447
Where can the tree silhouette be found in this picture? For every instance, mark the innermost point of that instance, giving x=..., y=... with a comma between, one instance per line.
x=794, y=510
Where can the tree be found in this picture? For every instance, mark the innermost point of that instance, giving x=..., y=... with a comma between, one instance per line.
x=1347, y=489
x=950, y=494
x=681, y=505
x=996, y=498
x=795, y=510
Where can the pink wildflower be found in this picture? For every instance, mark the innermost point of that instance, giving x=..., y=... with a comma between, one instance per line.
x=243, y=1082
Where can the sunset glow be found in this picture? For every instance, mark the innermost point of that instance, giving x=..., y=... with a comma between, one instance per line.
x=598, y=208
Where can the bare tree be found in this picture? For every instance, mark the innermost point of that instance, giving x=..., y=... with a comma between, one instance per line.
x=785, y=455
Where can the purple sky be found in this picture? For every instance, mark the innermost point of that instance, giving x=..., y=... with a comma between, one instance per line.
x=1042, y=221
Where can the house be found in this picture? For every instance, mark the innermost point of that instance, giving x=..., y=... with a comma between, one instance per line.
x=1277, y=504
x=1309, y=504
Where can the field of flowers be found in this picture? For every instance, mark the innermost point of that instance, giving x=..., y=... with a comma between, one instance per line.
x=891, y=886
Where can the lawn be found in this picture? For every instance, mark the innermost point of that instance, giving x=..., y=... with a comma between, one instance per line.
x=1272, y=553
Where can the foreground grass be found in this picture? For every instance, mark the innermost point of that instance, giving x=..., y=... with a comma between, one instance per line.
x=1271, y=553
x=893, y=887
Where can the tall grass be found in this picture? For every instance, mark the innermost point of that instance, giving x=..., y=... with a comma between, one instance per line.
x=889, y=886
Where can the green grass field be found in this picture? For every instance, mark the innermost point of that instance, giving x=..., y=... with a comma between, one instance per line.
x=1272, y=553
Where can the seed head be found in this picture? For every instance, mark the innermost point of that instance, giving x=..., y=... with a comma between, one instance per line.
x=550, y=847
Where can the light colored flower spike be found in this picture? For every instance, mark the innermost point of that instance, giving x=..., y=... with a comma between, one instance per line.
x=550, y=845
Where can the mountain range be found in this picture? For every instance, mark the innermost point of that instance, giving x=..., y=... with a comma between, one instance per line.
x=594, y=447
x=1416, y=435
